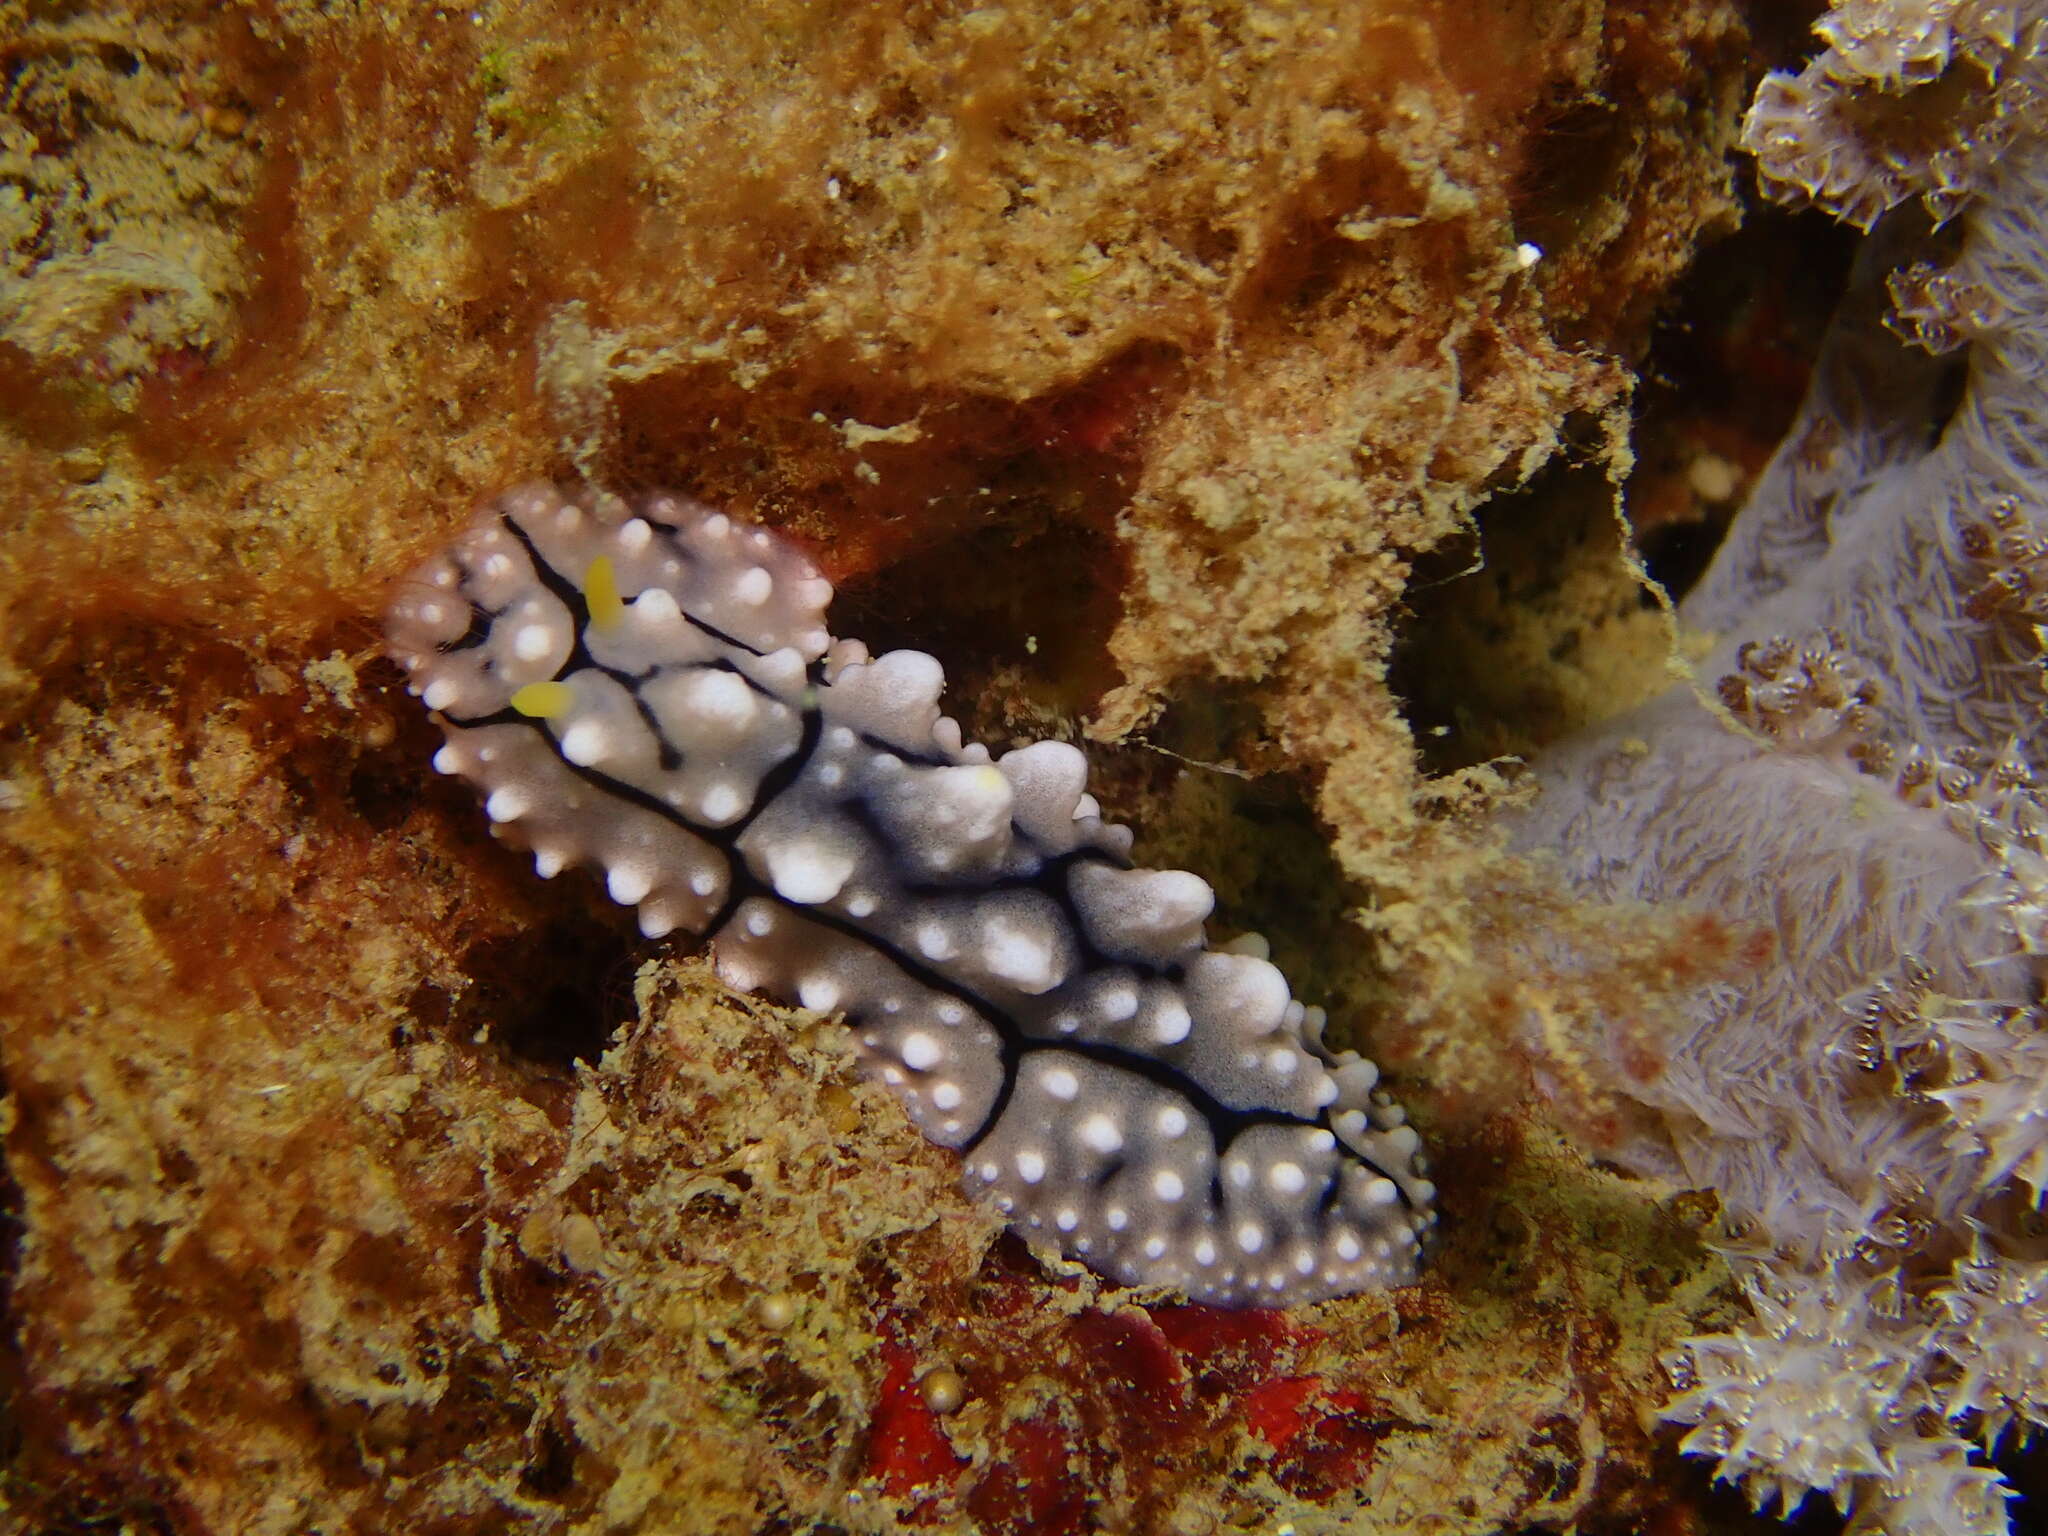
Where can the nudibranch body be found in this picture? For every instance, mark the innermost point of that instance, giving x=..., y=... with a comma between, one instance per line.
x=653, y=691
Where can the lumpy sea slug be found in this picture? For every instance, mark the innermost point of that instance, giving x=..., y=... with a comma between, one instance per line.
x=652, y=691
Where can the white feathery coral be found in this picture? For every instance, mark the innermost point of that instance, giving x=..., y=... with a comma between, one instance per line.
x=1870, y=1105
x=1911, y=98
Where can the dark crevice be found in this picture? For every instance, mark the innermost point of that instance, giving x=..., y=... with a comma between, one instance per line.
x=1501, y=652
x=553, y=997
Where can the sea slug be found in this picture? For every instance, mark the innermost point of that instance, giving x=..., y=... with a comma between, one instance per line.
x=652, y=691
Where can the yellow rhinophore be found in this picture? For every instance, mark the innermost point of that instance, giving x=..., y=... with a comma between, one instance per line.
x=601, y=591
x=545, y=701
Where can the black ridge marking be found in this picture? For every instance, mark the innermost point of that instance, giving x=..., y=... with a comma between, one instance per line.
x=720, y=635
x=563, y=591
x=1334, y=1186
x=480, y=621
x=667, y=753
x=1226, y=1122
x=786, y=772
x=1048, y=878
x=506, y=716
x=480, y=617
x=876, y=743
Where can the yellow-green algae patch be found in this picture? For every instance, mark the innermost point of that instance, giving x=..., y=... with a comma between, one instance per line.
x=124, y=169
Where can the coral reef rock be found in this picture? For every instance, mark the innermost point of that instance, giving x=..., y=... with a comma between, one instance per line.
x=359, y=1180
x=1868, y=1096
